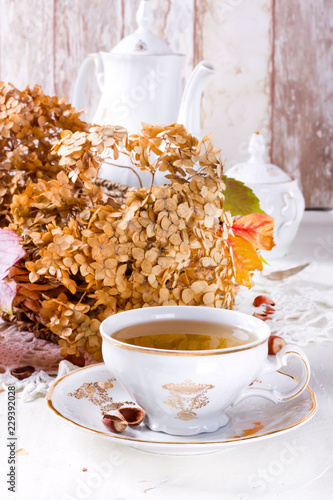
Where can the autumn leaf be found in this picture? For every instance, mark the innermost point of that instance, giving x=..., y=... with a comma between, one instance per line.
x=246, y=259
x=239, y=199
x=11, y=250
x=257, y=229
x=7, y=294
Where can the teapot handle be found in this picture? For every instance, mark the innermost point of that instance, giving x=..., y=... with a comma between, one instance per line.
x=80, y=87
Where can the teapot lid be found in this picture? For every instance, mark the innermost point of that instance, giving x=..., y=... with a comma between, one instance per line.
x=142, y=42
x=256, y=170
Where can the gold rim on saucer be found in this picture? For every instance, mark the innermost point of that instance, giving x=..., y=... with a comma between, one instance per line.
x=168, y=443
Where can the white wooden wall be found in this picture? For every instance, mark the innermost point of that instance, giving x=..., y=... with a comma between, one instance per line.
x=274, y=61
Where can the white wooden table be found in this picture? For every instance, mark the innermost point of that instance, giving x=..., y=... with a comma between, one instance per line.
x=291, y=466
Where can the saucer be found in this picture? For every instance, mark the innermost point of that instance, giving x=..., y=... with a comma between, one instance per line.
x=81, y=397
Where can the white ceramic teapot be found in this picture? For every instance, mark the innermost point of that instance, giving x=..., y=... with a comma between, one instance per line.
x=278, y=194
x=140, y=81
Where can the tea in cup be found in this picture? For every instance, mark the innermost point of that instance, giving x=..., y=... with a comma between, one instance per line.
x=185, y=365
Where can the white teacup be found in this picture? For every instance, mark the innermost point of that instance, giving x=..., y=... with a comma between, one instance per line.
x=187, y=392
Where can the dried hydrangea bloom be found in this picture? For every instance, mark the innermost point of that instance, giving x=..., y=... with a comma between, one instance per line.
x=87, y=256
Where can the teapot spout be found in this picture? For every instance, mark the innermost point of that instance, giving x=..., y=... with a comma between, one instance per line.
x=190, y=107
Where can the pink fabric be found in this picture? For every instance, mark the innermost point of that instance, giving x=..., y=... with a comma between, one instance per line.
x=23, y=349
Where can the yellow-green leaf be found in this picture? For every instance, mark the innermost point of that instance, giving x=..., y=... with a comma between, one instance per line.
x=239, y=199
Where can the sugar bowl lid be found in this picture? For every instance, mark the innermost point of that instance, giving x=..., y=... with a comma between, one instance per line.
x=142, y=42
x=256, y=170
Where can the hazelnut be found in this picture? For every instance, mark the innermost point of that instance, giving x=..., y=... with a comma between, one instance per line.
x=263, y=316
x=132, y=414
x=275, y=344
x=263, y=299
x=22, y=372
x=114, y=423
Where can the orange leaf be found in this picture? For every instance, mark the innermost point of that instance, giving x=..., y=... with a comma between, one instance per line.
x=246, y=259
x=257, y=229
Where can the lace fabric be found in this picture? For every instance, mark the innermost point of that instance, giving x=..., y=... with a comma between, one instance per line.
x=303, y=311
x=38, y=384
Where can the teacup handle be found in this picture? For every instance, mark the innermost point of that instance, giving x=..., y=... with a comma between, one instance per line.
x=274, y=363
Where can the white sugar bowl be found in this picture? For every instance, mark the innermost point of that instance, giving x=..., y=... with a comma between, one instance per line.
x=278, y=193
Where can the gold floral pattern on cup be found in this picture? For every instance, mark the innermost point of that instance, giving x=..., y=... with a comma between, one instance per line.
x=187, y=397
x=96, y=393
